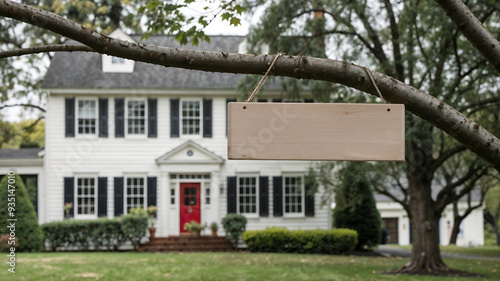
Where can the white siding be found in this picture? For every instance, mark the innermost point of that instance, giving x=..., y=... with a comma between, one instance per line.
x=116, y=157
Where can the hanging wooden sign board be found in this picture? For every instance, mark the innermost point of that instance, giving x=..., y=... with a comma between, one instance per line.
x=316, y=131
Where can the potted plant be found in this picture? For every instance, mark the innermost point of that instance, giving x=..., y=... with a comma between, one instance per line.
x=67, y=209
x=152, y=214
x=214, y=227
x=194, y=228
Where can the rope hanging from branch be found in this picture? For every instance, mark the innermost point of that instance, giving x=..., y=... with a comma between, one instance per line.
x=257, y=88
x=369, y=72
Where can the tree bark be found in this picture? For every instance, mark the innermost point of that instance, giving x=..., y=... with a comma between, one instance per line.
x=437, y=112
x=456, y=224
x=473, y=30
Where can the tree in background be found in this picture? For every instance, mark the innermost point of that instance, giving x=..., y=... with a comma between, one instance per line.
x=22, y=134
x=493, y=210
x=418, y=44
x=355, y=206
x=29, y=234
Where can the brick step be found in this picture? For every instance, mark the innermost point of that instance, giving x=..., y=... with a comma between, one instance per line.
x=187, y=244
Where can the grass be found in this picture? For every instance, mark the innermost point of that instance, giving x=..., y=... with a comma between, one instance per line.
x=220, y=266
x=490, y=251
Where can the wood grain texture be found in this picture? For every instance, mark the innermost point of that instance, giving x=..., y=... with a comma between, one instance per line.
x=319, y=131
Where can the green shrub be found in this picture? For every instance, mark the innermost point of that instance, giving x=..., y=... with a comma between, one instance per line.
x=356, y=207
x=134, y=228
x=27, y=230
x=80, y=235
x=282, y=240
x=234, y=225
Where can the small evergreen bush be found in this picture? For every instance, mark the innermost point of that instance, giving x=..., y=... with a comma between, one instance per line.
x=27, y=231
x=282, y=240
x=356, y=207
x=234, y=225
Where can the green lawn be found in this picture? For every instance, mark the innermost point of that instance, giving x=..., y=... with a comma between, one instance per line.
x=490, y=251
x=219, y=266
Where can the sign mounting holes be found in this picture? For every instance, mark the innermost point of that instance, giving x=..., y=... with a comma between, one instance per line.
x=388, y=110
x=244, y=107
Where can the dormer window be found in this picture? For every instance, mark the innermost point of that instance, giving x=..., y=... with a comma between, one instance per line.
x=116, y=60
x=115, y=64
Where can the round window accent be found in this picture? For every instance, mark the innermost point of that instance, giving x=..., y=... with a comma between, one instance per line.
x=190, y=153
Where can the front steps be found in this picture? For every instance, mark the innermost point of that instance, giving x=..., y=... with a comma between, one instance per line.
x=187, y=243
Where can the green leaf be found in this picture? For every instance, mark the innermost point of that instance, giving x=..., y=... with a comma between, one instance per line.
x=235, y=21
x=226, y=16
x=152, y=5
x=239, y=9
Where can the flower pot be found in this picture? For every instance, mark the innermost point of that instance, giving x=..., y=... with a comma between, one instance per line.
x=195, y=233
x=214, y=233
x=152, y=231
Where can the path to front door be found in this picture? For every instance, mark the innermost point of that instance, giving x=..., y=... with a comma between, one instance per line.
x=190, y=203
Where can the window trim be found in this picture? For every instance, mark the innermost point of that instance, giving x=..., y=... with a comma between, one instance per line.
x=125, y=191
x=302, y=203
x=200, y=118
x=77, y=117
x=257, y=199
x=146, y=112
x=96, y=198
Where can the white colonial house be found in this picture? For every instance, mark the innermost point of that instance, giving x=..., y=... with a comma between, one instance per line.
x=122, y=134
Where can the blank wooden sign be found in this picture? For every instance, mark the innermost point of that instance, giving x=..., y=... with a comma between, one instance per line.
x=317, y=131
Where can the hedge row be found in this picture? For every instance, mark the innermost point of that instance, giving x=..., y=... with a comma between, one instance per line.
x=282, y=240
x=99, y=234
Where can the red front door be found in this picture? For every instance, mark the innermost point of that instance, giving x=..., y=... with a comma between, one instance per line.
x=190, y=203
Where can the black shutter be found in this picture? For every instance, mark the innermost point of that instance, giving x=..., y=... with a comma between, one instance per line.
x=263, y=196
x=231, y=195
x=174, y=118
x=227, y=102
x=207, y=118
x=278, y=196
x=70, y=117
x=277, y=100
x=103, y=118
x=119, y=118
x=69, y=194
x=151, y=191
x=309, y=200
x=152, y=118
x=309, y=100
x=118, y=196
x=102, y=197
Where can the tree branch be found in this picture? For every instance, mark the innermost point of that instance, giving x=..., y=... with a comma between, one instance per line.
x=23, y=104
x=46, y=49
x=435, y=111
x=473, y=30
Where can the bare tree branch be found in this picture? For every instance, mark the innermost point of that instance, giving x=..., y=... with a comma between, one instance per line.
x=45, y=49
x=435, y=111
x=473, y=30
x=23, y=104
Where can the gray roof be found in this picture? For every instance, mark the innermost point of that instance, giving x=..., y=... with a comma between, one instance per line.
x=84, y=70
x=21, y=153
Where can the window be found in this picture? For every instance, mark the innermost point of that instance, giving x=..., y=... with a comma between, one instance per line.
x=136, y=117
x=87, y=115
x=191, y=112
x=207, y=196
x=116, y=60
x=247, y=195
x=86, y=196
x=293, y=194
x=135, y=193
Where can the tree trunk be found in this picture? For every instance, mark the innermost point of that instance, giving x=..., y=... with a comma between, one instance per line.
x=454, y=232
x=426, y=254
x=497, y=232
x=456, y=224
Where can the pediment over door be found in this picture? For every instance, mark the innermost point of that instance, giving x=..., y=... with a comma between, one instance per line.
x=190, y=153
